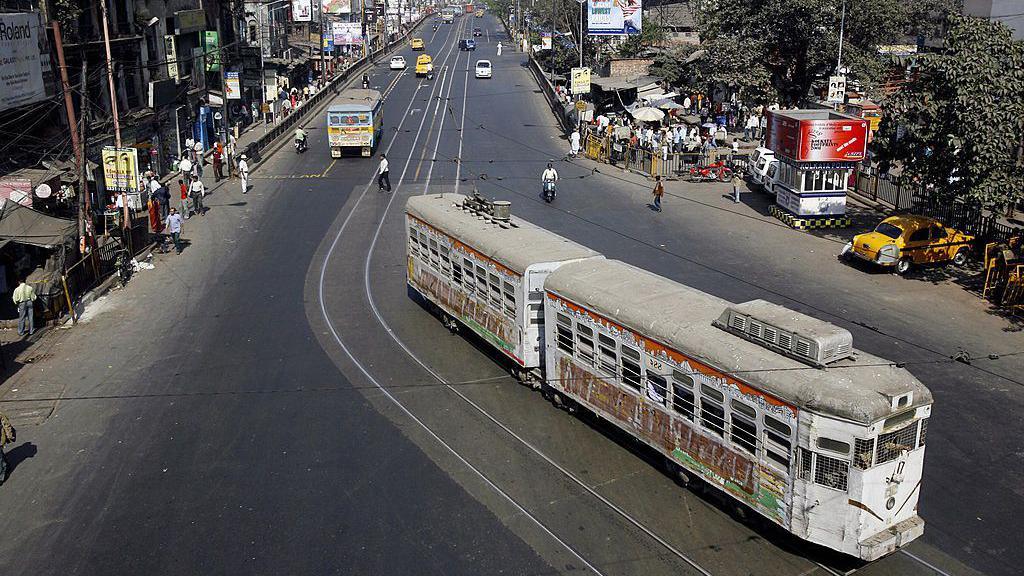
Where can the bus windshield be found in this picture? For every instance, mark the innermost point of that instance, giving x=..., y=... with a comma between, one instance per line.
x=348, y=119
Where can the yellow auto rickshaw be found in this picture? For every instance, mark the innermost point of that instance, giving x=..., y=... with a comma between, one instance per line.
x=424, y=65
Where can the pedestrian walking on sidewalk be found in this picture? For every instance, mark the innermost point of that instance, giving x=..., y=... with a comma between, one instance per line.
x=198, y=165
x=243, y=173
x=736, y=183
x=196, y=193
x=8, y=435
x=574, y=143
x=750, y=130
x=383, y=178
x=24, y=298
x=174, y=227
x=659, y=191
x=499, y=48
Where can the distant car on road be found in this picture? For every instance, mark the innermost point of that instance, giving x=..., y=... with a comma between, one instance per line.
x=467, y=44
x=417, y=43
x=909, y=240
x=478, y=32
x=483, y=69
x=397, y=63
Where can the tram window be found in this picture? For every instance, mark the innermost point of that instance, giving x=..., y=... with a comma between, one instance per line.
x=510, y=305
x=682, y=400
x=564, y=338
x=657, y=388
x=780, y=459
x=537, y=314
x=863, y=452
x=609, y=358
x=831, y=472
x=467, y=269
x=684, y=379
x=834, y=445
x=509, y=288
x=456, y=272
x=631, y=369
x=744, y=408
x=709, y=392
x=585, y=338
x=744, y=429
x=565, y=320
x=892, y=444
x=924, y=431
x=804, y=467
x=781, y=428
x=712, y=414
x=481, y=281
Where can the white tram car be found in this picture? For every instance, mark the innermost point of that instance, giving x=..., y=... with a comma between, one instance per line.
x=773, y=407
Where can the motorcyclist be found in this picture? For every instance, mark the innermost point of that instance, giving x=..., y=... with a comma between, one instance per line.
x=366, y=80
x=300, y=137
x=549, y=175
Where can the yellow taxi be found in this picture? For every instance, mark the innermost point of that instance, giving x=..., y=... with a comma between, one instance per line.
x=908, y=240
x=417, y=43
x=479, y=14
x=424, y=64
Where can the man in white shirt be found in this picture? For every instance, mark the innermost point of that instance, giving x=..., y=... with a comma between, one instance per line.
x=574, y=143
x=750, y=130
x=383, y=178
x=687, y=104
x=243, y=173
x=174, y=228
x=197, y=191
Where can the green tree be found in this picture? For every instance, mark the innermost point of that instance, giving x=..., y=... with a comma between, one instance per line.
x=959, y=123
x=651, y=35
x=798, y=40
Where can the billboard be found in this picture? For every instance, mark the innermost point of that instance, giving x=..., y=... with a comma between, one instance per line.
x=302, y=10
x=232, y=86
x=211, y=47
x=21, y=69
x=336, y=6
x=347, y=33
x=121, y=169
x=614, y=17
x=580, y=81
x=835, y=138
x=171, y=49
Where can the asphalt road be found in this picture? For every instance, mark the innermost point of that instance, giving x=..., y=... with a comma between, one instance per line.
x=262, y=402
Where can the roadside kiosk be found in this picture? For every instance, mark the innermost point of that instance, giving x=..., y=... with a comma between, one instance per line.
x=817, y=151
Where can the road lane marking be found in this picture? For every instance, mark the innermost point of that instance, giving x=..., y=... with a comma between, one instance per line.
x=329, y=166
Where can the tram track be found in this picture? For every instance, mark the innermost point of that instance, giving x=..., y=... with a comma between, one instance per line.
x=448, y=74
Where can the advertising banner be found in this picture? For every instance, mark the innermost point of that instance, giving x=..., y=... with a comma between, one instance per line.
x=211, y=46
x=328, y=43
x=270, y=84
x=302, y=10
x=336, y=6
x=232, y=86
x=545, y=40
x=580, y=81
x=347, y=33
x=817, y=140
x=17, y=190
x=171, y=49
x=21, y=70
x=836, y=89
x=614, y=17
x=121, y=168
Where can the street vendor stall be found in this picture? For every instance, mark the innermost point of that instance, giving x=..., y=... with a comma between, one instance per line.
x=817, y=152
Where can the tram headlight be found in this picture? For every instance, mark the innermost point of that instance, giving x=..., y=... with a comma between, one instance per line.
x=890, y=503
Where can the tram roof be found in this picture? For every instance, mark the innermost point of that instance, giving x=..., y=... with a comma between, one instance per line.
x=681, y=317
x=355, y=99
x=516, y=248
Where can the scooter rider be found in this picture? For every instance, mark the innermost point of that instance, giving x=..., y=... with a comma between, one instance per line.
x=548, y=179
x=366, y=80
x=300, y=138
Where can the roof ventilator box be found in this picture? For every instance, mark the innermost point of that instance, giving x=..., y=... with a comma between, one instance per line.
x=798, y=336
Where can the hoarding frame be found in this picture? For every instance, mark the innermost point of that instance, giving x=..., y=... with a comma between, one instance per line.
x=610, y=18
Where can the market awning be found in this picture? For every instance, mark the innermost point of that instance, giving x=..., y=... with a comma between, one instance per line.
x=623, y=82
x=27, y=226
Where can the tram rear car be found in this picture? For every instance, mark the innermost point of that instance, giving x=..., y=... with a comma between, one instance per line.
x=773, y=407
x=486, y=272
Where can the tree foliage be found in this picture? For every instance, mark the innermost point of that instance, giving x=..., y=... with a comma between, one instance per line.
x=798, y=40
x=651, y=35
x=959, y=123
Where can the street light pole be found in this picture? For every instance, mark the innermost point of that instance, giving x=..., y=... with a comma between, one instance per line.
x=842, y=26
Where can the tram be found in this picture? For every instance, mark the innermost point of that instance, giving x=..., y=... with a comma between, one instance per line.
x=774, y=408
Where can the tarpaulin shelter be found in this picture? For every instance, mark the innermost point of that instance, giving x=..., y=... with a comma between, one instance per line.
x=27, y=226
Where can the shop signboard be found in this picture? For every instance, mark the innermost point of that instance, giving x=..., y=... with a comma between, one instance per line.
x=336, y=6
x=251, y=70
x=838, y=138
x=186, y=21
x=121, y=168
x=328, y=44
x=211, y=47
x=836, y=89
x=21, y=69
x=302, y=10
x=580, y=80
x=171, y=49
x=232, y=86
x=545, y=40
x=614, y=17
x=270, y=84
x=347, y=33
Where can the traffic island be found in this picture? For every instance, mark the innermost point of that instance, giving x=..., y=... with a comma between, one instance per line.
x=808, y=222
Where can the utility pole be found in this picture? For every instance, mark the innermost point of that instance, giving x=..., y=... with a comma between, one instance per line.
x=84, y=197
x=842, y=26
x=76, y=144
x=110, y=79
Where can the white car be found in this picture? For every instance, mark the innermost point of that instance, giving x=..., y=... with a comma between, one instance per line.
x=483, y=68
x=397, y=63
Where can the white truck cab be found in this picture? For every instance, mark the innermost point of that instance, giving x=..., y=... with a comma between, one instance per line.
x=757, y=168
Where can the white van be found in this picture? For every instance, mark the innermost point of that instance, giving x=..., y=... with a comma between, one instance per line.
x=757, y=167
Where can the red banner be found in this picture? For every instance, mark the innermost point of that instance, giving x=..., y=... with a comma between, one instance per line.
x=814, y=140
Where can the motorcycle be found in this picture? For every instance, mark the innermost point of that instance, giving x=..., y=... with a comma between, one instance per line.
x=717, y=171
x=366, y=83
x=300, y=146
x=549, y=191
